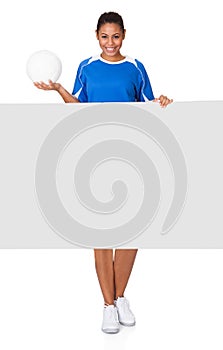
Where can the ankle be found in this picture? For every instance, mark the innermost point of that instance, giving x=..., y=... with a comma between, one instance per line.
x=108, y=304
x=119, y=296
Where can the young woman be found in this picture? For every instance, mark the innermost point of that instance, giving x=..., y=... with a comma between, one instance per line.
x=111, y=77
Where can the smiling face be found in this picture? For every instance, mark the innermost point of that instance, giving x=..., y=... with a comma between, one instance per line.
x=110, y=36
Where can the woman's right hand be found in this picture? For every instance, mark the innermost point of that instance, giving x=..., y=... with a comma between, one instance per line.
x=66, y=96
x=50, y=86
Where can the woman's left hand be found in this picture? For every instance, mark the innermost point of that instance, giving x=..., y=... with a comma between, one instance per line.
x=163, y=101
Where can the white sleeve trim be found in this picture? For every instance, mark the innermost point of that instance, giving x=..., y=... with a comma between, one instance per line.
x=78, y=93
x=145, y=98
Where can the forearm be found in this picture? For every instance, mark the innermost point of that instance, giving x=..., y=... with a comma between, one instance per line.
x=66, y=96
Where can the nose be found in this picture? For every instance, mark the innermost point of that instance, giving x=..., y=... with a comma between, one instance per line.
x=110, y=41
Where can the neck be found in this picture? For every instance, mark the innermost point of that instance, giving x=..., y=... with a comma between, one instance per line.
x=112, y=58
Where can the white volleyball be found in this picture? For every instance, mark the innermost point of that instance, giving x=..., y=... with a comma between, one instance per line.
x=44, y=65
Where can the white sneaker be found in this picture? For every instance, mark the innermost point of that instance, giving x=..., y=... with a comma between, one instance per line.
x=125, y=315
x=110, y=322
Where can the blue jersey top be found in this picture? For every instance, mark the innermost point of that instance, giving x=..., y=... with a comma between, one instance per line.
x=99, y=80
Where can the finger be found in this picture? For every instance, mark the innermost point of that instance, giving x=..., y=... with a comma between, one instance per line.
x=163, y=101
x=37, y=84
x=51, y=84
x=44, y=85
x=169, y=101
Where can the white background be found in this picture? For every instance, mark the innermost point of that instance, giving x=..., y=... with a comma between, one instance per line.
x=50, y=299
x=179, y=42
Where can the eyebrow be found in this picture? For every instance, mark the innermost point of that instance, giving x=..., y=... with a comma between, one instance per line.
x=112, y=34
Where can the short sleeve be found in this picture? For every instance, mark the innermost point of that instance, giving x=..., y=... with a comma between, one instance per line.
x=145, y=92
x=79, y=89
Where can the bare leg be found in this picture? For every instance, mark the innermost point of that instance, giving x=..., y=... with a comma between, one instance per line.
x=123, y=264
x=105, y=272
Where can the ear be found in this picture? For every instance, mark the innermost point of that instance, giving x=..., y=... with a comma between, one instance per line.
x=123, y=36
x=96, y=33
